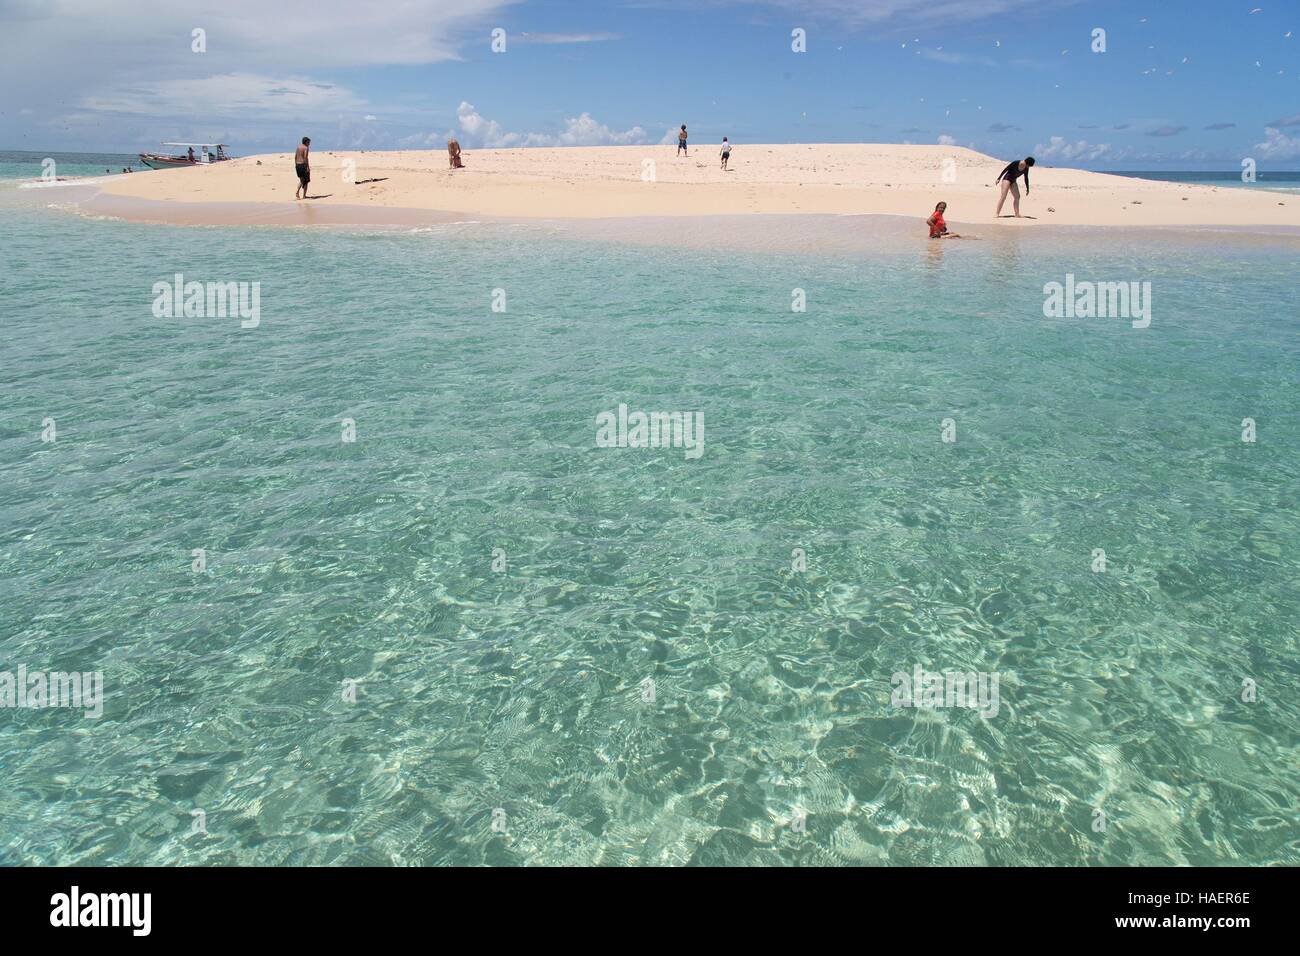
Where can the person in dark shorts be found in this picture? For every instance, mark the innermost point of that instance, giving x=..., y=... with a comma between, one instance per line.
x=681, y=141
x=302, y=164
x=1007, y=178
x=726, y=152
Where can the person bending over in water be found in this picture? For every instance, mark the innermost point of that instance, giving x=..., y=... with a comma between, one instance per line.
x=938, y=228
x=726, y=152
x=1007, y=178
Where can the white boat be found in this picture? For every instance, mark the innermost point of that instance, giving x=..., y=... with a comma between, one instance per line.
x=208, y=153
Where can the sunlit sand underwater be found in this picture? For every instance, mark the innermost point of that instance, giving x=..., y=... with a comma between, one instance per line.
x=471, y=636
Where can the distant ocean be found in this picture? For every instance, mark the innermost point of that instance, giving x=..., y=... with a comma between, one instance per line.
x=22, y=164
x=365, y=588
x=1278, y=180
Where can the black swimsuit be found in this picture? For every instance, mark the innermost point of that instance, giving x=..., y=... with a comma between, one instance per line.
x=1012, y=171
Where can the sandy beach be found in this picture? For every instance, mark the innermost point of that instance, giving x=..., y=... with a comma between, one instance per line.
x=627, y=181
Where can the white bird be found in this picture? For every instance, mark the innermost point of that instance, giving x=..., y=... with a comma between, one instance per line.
x=999, y=42
x=1258, y=10
x=1287, y=35
x=1063, y=52
x=1143, y=20
x=1185, y=59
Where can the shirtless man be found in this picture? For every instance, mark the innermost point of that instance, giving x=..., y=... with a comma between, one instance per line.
x=302, y=164
x=681, y=141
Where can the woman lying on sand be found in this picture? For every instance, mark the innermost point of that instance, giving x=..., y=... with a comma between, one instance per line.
x=938, y=228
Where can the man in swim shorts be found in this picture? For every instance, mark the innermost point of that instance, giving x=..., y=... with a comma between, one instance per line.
x=302, y=164
x=681, y=141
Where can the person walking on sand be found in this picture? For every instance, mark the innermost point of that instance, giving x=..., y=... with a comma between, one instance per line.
x=681, y=141
x=1007, y=178
x=726, y=152
x=939, y=228
x=302, y=164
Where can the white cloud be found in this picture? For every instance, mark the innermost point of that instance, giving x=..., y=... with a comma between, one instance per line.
x=582, y=130
x=476, y=130
x=946, y=56
x=291, y=35
x=229, y=94
x=1059, y=149
x=85, y=66
x=861, y=12
x=565, y=37
x=946, y=140
x=585, y=131
x=1278, y=145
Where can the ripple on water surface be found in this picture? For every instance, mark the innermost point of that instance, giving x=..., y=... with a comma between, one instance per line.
x=525, y=690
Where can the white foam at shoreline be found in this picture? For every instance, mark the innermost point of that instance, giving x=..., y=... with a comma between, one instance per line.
x=51, y=183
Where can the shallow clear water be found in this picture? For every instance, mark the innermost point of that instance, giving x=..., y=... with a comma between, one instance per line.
x=25, y=164
x=523, y=691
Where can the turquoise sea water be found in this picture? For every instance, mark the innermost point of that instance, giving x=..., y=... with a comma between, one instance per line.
x=520, y=696
x=24, y=164
x=1276, y=180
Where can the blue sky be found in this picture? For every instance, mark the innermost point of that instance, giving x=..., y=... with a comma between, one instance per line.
x=1182, y=83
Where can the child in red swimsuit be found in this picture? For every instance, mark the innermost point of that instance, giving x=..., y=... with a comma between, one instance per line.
x=938, y=228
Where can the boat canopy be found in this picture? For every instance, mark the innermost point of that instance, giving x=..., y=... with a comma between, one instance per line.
x=196, y=144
